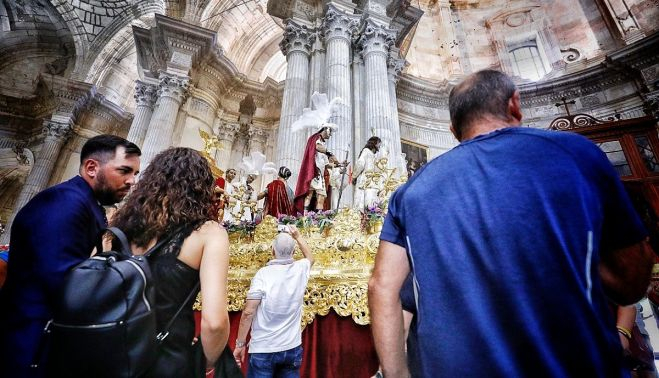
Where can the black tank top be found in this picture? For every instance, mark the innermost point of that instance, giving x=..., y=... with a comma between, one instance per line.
x=174, y=280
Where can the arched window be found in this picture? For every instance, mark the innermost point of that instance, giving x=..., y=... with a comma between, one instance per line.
x=527, y=62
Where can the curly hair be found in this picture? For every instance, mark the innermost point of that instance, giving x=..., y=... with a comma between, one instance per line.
x=175, y=189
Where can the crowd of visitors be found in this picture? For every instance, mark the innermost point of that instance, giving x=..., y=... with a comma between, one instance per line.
x=531, y=269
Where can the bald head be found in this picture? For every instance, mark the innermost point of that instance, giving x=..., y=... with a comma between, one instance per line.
x=485, y=95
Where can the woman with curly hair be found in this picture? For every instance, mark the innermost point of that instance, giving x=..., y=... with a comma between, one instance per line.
x=172, y=199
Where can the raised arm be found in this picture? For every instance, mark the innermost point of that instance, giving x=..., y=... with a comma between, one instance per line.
x=391, y=269
x=213, y=272
x=304, y=248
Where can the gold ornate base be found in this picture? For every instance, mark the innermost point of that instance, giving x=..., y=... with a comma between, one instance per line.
x=339, y=279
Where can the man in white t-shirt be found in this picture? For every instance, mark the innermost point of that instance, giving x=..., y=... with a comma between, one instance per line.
x=274, y=311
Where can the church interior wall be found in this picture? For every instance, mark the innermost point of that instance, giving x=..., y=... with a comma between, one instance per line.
x=93, y=42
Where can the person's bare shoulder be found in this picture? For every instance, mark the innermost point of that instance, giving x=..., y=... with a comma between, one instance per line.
x=211, y=229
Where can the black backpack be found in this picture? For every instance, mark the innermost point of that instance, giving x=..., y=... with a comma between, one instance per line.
x=105, y=323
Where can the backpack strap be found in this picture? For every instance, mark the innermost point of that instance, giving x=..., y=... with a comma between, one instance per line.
x=123, y=240
x=164, y=333
x=164, y=240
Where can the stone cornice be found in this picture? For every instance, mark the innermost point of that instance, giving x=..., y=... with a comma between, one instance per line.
x=424, y=92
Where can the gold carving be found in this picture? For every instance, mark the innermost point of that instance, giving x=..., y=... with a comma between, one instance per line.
x=339, y=279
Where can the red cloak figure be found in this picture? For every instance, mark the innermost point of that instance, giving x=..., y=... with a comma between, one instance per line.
x=277, y=201
x=218, y=198
x=307, y=173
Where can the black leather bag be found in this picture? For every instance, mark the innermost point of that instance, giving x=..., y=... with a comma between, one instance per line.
x=225, y=367
x=105, y=325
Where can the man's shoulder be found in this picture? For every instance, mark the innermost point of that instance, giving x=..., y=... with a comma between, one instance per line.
x=66, y=195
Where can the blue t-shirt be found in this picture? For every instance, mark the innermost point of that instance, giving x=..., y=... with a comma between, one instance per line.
x=504, y=234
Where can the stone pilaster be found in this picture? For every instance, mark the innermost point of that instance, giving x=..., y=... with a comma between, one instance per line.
x=226, y=133
x=145, y=99
x=317, y=73
x=375, y=42
x=395, y=64
x=37, y=180
x=296, y=46
x=172, y=91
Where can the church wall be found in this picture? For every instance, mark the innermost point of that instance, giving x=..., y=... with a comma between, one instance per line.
x=646, y=13
x=34, y=39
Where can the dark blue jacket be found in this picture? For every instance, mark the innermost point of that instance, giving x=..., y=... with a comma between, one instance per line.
x=55, y=231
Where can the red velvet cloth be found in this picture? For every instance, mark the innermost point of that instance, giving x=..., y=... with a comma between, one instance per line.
x=277, y=202
x=306, y=174
x=334, y=347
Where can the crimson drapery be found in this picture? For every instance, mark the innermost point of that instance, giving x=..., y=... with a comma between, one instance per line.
x=277, y=201
x=334, y=347
x=306, y=174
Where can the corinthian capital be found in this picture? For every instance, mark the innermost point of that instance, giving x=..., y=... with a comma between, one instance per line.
x=258, y=136
x=376, y=39
x=296, y=38
x=226, y=131
x=396, y=65
x=173, y=86
x=145, y=94
x=338, y=25
x=57, y=130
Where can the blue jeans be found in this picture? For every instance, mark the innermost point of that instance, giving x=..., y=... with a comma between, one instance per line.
x=284, y=364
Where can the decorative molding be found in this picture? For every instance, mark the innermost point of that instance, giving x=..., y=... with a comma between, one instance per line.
x=574, y=121
x=570, y=55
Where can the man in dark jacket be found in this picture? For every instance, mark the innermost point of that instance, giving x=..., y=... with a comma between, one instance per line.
x=52, y=233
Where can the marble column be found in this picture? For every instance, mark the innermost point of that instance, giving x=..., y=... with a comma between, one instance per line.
x=338, y=28
x=145, y=99
x=317, y=73
x=360, y=133
x=56, y=134
x=172, y=90
x=226, y=133
x=296, y=46
x=395, y=64
x=375, y=43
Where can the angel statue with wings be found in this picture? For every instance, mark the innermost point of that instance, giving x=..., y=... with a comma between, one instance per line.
x=312, y=190
x=244, y=198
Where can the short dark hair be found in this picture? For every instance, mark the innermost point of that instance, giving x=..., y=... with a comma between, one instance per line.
x=103, y=148
x=483, y=93
x=284, y=173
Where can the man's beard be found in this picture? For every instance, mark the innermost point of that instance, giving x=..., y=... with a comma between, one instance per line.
x=106, y=195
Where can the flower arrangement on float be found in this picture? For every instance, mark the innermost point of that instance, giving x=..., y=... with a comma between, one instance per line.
x=373, y=217
x=240, y=229
x=322, y=219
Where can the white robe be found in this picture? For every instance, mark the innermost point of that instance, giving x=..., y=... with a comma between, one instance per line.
x=365, y=162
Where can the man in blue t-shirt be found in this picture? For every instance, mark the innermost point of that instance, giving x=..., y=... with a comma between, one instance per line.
x=515, y=239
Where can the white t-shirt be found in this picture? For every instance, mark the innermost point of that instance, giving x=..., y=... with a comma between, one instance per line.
x=277, y=324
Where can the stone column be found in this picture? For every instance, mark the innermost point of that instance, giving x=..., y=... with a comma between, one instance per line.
x=171, y=93
x=317, y=65
x=37, y=180
x=145, y=98
x=338, y=28
x=226, y=133
x=296, y=46
x=257, y=139
x=375, y=43
x=396, y=65
x=360, y=134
